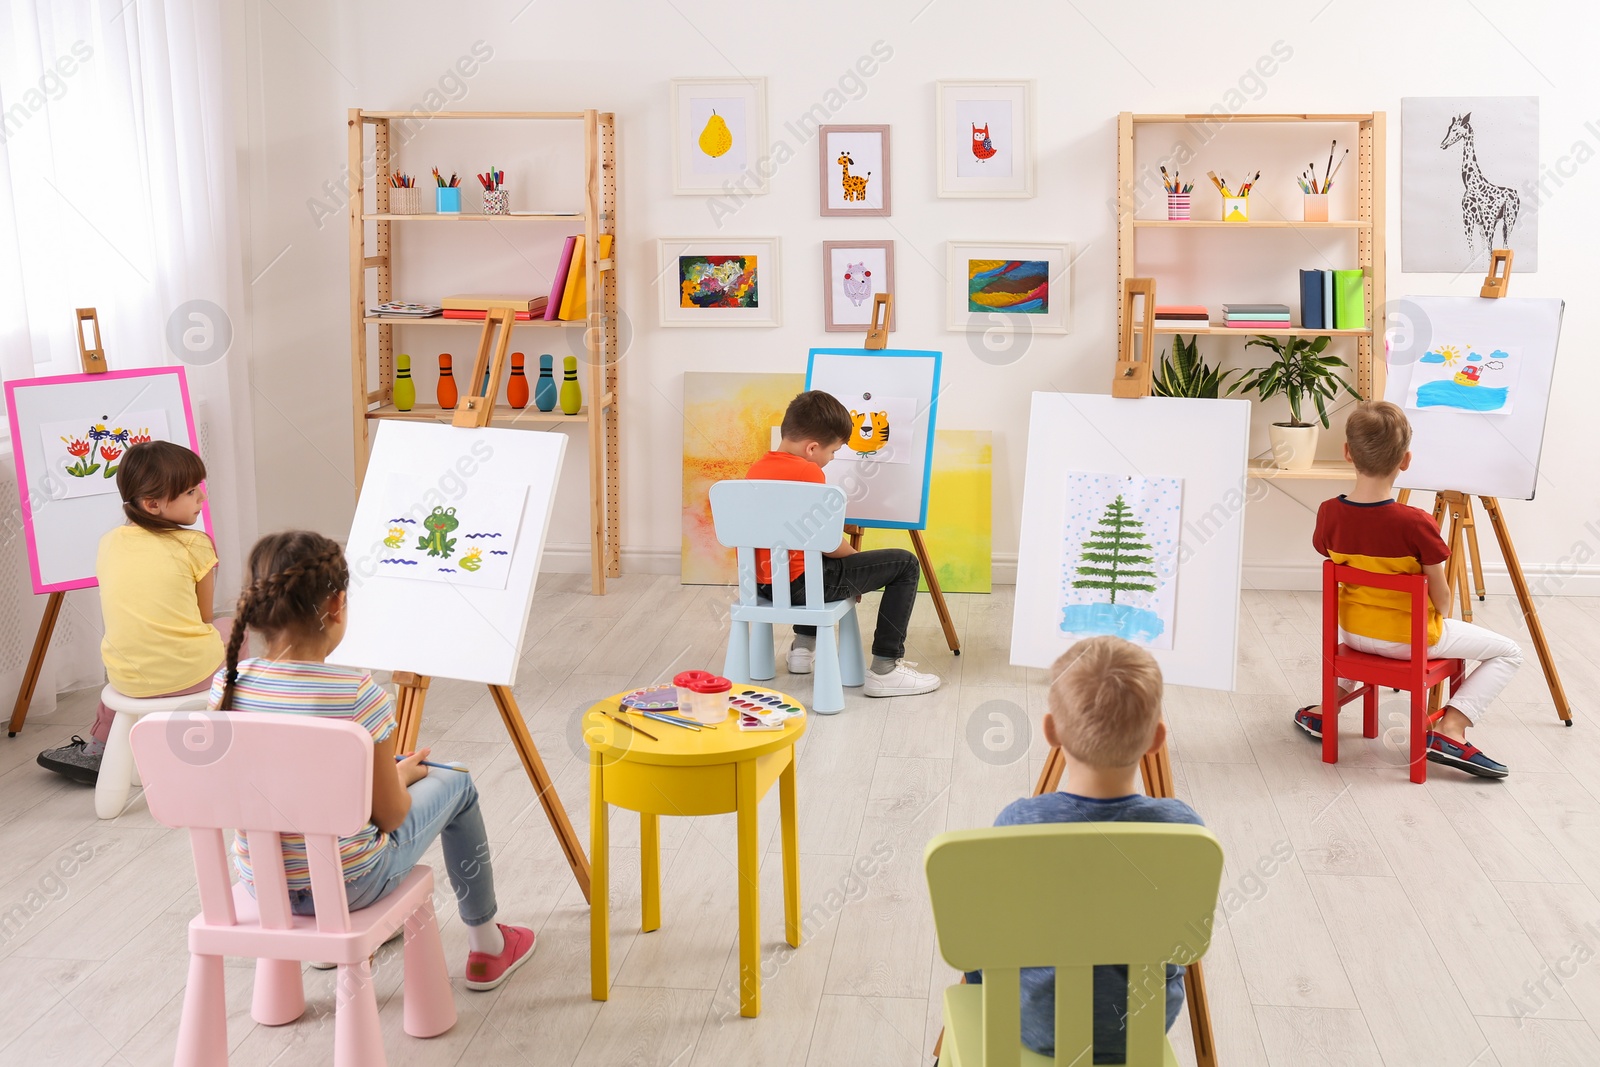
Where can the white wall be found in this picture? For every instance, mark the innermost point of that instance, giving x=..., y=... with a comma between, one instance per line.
x=305, y=63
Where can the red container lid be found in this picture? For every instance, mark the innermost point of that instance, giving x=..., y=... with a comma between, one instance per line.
x=702, y=682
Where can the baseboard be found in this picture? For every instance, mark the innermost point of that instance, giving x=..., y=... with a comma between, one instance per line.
x=572, y=557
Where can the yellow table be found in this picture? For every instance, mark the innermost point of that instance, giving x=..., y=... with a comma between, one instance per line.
x=717, y=770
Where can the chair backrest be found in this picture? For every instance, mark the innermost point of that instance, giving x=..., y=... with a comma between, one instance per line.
x=781, y=517
x=1072, y=896
x=264, y=775
x=1414, y=585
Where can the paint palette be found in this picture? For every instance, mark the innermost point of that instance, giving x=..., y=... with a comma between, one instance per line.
x=763, y=711
x=652, y=698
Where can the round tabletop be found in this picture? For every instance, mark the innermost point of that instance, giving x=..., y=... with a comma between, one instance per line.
x=676, y=745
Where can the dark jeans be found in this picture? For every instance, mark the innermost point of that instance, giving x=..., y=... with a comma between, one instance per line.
x=894, y=570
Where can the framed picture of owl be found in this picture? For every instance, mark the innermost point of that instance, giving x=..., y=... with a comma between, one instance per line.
x=854, y=169
x=852, y=272
x=719, y=136
x=985, y=138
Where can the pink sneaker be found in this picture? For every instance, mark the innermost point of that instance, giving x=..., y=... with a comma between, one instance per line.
x=487, y=972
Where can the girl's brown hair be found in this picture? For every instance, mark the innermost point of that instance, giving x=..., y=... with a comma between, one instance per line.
x=156, y=470
x=292, y=574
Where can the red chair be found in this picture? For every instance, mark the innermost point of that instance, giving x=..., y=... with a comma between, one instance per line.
x=1418, y=674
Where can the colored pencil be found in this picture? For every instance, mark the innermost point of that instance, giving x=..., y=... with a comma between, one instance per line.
x=441, y=766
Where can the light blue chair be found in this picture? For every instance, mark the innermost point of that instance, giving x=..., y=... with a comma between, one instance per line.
x=786, y=517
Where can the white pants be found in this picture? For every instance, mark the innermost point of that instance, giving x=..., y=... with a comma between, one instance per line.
x=1498, y=656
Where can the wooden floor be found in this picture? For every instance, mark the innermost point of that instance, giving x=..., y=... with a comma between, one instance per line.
x=1454, y=923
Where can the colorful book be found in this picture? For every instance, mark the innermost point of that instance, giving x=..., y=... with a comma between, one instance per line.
x=1264, y=309
x=558, y=283
x=1311, y=300
x=409, y=310
x=484, y=301
x=1327, y=300
x=1256, y=316
x=464, y=313
x=1256, y=324
x=1181, y=311
x=575, y=301
x=1349, y=300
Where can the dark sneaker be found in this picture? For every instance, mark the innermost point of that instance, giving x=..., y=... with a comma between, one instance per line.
x=1309, y=721
x=1464, y=756
x=73, y=760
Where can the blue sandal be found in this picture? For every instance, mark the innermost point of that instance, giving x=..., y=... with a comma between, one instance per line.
x=1464, y=756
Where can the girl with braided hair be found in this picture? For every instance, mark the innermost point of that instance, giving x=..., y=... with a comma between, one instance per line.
x=296, y=604
x=156, y=577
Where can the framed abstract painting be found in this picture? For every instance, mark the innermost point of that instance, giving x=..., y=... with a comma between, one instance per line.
x=719, y=134
x=1019, y=285
x=852, y=273
x=732, y=282
x=985, y=138
x=854, y=170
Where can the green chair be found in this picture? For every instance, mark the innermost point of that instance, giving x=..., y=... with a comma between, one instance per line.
x=1069, y=896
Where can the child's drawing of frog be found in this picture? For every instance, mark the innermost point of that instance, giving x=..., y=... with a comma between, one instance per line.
x=438, y=524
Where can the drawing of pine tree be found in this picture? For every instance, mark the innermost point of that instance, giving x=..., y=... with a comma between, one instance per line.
x=1117, y=555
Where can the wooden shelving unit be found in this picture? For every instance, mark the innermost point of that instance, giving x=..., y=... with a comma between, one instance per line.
x=1367, y=228
x=601, y=337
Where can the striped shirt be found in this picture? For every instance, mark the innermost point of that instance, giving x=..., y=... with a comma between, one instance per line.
x=296, y=687
x=1387, y=537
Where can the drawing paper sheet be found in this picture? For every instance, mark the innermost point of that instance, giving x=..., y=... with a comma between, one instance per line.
x=873, y=436
x=1119, y=557
x=1458, y=377
x=466, y=543
x=82, y=455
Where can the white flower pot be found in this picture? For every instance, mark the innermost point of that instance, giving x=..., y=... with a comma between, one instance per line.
x=1294, y=448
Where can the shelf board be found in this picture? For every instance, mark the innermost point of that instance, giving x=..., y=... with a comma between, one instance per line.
x=477, y=324
x=368, y=115
x=504, y=415
x=1216, y=329
x=1224, y=119
x=1321, y=470
x=1273, y=224
x=468, y=217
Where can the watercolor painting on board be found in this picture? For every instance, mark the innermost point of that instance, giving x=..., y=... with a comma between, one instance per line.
x=469, y=542
x=1460, y=377
x=82, y=455
x=960, y=510
x=1118, y=561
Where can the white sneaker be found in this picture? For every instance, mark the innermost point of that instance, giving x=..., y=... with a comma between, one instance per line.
x=392, y=939
x=903, y=681
x=801, y=659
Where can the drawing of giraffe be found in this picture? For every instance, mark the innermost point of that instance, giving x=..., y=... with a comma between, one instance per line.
x=855, y=186
x=1485, y=207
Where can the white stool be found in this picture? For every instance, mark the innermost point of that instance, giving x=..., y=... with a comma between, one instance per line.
x=117, y=771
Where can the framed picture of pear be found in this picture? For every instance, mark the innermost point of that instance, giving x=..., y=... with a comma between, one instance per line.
x=719, y=136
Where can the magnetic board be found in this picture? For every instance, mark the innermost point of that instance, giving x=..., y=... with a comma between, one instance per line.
x=434, y=495
x=894, y=397
x=68, y=487
x=1076, y=439
x=1474, y=377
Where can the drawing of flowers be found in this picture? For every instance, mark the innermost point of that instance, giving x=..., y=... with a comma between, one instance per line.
x=98, y=432
x=140, y=438
x=80, y=449
x=109, y=454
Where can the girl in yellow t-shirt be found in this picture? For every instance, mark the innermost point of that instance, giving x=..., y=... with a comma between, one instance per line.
x=156, y=580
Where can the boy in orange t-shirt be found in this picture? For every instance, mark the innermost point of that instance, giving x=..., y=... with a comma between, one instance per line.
x=815, y=426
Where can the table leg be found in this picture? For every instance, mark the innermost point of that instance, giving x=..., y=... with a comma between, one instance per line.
x=791, y=853
x=649, y=872
x=749, y=890
x=599, y=882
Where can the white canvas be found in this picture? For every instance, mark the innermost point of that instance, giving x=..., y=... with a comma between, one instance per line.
x=447, y=629
x=1119, y=545
x=1460, y=377
x=856, y=274
x=865, y=151
x=1202, y=443
x=879, y=430
x=999, y=164
x=468, y=542
x=740, y=105
x=82, y=455
x=1469, y=172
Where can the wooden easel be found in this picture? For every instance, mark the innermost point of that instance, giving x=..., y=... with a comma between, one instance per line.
x=93, y=361
x=475, y=411
x=878, y=338
x=1464, y=530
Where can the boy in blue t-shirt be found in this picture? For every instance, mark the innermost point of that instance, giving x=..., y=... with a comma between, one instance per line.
x=1104, y=713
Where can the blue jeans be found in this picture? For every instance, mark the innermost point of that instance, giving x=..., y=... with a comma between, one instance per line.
x=443, y=805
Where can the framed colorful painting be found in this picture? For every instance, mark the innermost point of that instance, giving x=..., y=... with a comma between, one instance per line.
x=852, y=272
x=719, y=134
x=1020, y=285
x=854, y=170
x=985, y=137
x=734, y=282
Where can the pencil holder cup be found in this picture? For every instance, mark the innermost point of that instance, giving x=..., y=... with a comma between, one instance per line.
x=1316, y=207
x=447, y=200
x=405, y=201
x=1177, y=207
x=1236, y=209
x=496, y=202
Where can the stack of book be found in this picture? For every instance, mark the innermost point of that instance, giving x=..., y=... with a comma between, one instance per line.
x=1182, y=317
x=569, y=290
x=477, y=305
x=1256, y=316
x=1333, y=300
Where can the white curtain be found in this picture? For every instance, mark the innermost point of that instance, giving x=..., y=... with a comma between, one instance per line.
x=118, y=191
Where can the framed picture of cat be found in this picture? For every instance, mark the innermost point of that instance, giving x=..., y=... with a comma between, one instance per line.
x=852, y=273
x=986, y=135
x=854, y=170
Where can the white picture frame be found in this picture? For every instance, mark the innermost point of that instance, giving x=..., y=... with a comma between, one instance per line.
x=741, y=104
x=673, y=254
x=1000, y=115
x=1054, y=317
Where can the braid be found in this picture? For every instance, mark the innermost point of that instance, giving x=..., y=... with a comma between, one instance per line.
x=295, y=572
x=241, y=624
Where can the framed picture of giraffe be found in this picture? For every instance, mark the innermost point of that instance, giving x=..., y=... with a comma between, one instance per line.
x=854, y=170
x=1469, y=182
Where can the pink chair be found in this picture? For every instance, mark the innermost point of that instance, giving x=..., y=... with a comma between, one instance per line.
x=268, y=775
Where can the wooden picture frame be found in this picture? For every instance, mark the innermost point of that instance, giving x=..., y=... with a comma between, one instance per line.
x=724, y=282
x=862, y=185
x=847, y=301
x=1012, y=260
x=695, y=172
x=1002, y=144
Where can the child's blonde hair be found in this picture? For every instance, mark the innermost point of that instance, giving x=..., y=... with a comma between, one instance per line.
x=1105, y=698
x=1378, y=434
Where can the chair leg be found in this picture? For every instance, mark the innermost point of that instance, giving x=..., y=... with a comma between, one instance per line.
x=203, y=1031
x=763, y=658
x=736, y=667
x=357, y=1037
x=1419, y=735
x=279, y=997
x=827, y=694
x=852, y=660
x=1369, y=712
x=1330, y=716
x=430, y=1006
x=116, y=769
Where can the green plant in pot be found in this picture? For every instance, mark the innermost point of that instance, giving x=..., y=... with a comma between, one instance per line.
x=1298, y=371
x=1185, y=373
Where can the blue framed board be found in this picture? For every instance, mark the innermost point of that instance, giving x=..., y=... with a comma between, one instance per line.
x=893, y=396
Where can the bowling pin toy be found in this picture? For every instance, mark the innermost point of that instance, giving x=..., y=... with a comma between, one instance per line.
x=544, y=391
x=571, y=394
x=517, y=387
x=447, y=384
x=405, y=390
